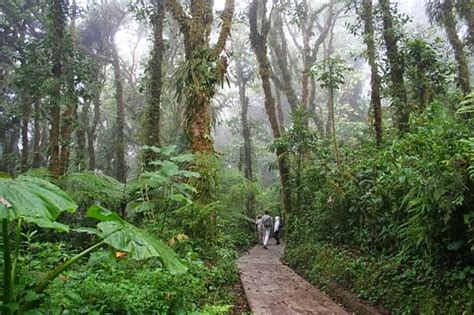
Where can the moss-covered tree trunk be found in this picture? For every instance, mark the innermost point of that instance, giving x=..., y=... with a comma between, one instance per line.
x=120, y=166
x=25, y=122
x=333, y=124
x=449, y=22
x=313, y=108
x=92, y=130
x=57, y=20
x=69, y=116
x=258, y=40
x=280, y=47
x=375, y=79
x=68, y=123
x=83, y=123
x=279, y=109
x=395, y=63
x=465, y=9
x=242, y=80
x=196, y=29
x=36, y=135
x=310, y=52
x=330, y=119
x=206, y=68
x=152, y=120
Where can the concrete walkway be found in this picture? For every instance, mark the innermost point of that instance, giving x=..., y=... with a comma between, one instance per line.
x=273, y=288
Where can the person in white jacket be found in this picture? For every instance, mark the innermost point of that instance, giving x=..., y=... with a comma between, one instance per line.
x=276, y=230
x=258, y=228
x=267, y=225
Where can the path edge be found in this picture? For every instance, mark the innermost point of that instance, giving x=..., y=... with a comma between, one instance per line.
x=342, y=296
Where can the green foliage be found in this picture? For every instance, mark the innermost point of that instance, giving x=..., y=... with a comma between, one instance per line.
x=199, y=76
x=467, y=105
x=409, y=201
x=165, y=185
x=299, y=138
x=123, y=236
x=427, y=71
x=35, y=201
x=89, y=187
x=104, y=284
x=107, y=284
x=330, y=72
x=403, y=287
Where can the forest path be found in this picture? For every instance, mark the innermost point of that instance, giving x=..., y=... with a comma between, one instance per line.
x=273, y=288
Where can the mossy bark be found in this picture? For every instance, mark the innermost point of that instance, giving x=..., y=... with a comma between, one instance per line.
x=258, y=40
x=153, y=116
x=92, y=130
x=25, y=121
x=36, y=135
x=375, y=79
x=247, y=149
x=196, y=29
x=120, y=165
x=57, y=29
x=395, y=63
x=449, y=22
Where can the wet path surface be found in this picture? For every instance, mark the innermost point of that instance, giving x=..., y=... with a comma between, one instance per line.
x=273, y=288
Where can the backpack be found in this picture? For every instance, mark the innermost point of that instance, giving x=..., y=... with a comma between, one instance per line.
x=267, y=221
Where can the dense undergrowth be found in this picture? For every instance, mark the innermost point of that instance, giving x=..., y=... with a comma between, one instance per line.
x=394, y=224
x=162, y=202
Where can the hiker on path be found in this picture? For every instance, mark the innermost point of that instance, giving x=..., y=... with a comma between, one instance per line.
x=267, y=225
x=258, y=228
x=277, y=229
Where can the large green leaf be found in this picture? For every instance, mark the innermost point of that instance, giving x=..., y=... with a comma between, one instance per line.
x=126, y=237
x=34, y=200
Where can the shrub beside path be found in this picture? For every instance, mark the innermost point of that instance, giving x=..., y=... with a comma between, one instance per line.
x=273, y=288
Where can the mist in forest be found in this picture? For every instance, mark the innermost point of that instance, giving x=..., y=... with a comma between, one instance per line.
x=146, y=145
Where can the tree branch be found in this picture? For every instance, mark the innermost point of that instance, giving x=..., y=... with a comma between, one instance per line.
x=226, y=18
x=178, y=13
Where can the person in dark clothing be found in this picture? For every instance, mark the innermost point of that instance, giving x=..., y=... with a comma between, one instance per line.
x=277, y=229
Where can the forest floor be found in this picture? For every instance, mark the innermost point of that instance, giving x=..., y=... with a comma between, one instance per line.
x=273, y=288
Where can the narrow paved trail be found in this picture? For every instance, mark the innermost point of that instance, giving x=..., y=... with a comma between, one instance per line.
x=273, y=288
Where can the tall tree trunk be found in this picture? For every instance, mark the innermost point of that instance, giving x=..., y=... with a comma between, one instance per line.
x=58, y=16
x=69, y=116
x=449, y=22
x=152, y=125
x=258, y=40
x=68, y=123
x=329, y=120
x=44, y=143
x=92, y=130
x=10, y=151
x=196, y=30
x=247, y=152
x=36, y=135
x=279, y=109
x=25, y=121
x=465, y=9
x=120, y=165
x=83, y=124
x=375, y=79
x=313, y=108
x=328, y=51
x=310, y=53
x=280, y=46
x=333, y=124
x=396, y=67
